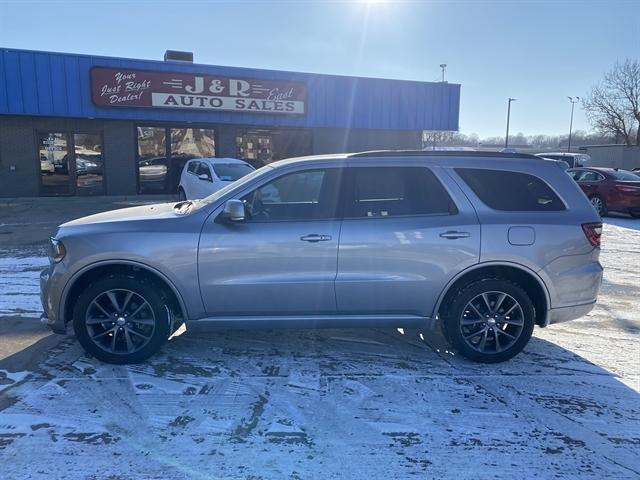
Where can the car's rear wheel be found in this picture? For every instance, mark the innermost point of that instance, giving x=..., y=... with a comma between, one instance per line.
x=490, y=320
x=182, y=196
x=121, y=319
x=599, y=204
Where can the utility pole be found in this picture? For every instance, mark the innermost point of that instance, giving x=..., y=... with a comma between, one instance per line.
x=506, y=140
x=573, y=101
x=443, y=66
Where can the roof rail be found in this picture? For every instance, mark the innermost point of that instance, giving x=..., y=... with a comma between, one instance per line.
x=440, y=153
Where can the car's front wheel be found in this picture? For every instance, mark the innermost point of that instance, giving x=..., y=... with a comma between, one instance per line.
x=121, y=319
x=490, y=320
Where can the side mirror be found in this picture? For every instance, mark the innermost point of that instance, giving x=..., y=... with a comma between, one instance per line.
x=204, y=176
x=233, y=211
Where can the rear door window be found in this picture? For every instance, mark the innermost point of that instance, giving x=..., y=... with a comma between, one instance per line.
x=395, y=191
x=511, y=191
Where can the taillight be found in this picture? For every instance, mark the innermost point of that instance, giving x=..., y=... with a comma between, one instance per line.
x=593, y=232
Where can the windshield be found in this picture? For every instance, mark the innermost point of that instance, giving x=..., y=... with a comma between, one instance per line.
x=230, y=172
x=237, y=184
x=625, y=175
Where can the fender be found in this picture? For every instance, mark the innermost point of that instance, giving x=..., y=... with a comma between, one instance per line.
x=102, y=263
x=477, y=266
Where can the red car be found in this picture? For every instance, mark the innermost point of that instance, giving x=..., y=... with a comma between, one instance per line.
x=610, y=189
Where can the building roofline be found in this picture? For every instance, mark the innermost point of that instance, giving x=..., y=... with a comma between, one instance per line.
x=181, y=65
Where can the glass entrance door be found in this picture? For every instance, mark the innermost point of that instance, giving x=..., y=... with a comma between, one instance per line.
x=55, y=176
x=71, y=163
x=89, y=167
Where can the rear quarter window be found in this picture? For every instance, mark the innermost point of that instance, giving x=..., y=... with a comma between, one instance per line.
x=511, y=191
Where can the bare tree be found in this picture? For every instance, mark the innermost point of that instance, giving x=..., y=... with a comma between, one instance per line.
x=613, y=106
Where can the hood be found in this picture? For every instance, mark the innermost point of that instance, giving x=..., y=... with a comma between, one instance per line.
x=141, y=213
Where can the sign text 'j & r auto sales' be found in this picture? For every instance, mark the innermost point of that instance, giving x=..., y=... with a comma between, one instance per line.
x=115, y=87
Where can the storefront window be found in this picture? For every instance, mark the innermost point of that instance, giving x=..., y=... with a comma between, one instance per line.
x=88, y=163
x=158, y=169
x=255, y=148
x=263, y=146
x=153, y=164
x=54, y=164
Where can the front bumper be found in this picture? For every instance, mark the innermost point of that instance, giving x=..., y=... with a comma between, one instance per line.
x=49, y=298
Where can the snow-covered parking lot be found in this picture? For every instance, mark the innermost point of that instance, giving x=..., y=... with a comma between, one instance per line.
x=334, y=403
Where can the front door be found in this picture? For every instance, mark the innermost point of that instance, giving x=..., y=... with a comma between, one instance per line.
x=71, y=163
x=282, y=259
x=402, y=239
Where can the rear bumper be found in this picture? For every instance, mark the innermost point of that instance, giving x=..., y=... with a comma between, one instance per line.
x=564, y=314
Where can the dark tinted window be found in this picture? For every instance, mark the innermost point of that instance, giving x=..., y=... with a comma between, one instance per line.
x=512, y=191
x=305, y=195
x=192, y=166
x=394, y=191
x=230, y=172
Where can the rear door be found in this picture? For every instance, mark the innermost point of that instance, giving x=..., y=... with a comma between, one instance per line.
x=407, y=230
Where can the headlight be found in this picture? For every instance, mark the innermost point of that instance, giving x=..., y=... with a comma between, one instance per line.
x=57, y=250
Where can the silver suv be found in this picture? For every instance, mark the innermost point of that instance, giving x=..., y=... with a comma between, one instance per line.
x=487, y=245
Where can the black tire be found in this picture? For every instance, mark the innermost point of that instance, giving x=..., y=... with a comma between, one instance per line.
x=157, y=328
x=502, y=341
x=599, y=204
x=181, y=195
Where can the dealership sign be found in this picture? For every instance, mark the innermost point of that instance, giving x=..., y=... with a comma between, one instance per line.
x=117, y=87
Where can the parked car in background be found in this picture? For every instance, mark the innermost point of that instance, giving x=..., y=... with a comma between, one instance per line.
x=609, y=189
x=572, y=159
x=203, y=176
x=488, y=245
x=46, y=165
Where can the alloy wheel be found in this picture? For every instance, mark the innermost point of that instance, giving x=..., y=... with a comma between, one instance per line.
x=492, y=322
x=597, y=204
x=120, y=321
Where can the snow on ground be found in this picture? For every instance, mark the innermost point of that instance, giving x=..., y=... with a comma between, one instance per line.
x=19, y=282
x=357, y=404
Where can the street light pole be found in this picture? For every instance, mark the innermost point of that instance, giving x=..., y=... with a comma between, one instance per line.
x=506, y=140
x=443, y=66
x=573, y=101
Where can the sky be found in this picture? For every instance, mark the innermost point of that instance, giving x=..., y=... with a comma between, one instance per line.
x=539, y=52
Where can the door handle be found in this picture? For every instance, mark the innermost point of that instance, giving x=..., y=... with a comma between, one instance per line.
x=452, y=235
x=314, y=237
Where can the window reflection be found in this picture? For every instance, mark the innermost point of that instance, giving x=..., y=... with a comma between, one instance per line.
x=54, y=163
x=89, y=163
x=152, y=160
